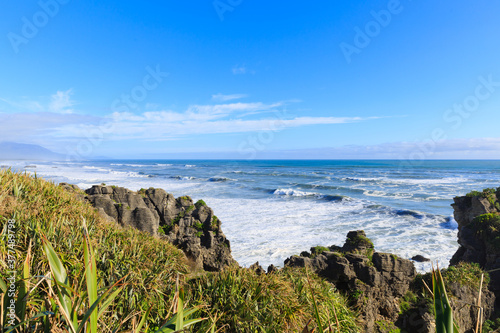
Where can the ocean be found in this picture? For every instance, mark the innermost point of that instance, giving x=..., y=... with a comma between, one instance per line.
x=272, y=209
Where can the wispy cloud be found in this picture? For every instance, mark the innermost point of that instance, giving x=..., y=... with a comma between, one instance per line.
x=24, y=104
x=218, y=119
x=58, y=122
x=242, y=69
x=29, y=126
x=61, y=102
x=225, y=98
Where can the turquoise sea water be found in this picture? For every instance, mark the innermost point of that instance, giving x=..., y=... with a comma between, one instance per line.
x=273, y=209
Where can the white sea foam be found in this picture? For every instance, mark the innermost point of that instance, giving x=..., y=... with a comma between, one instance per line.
x=131, y=165
x=220, y=179
x=293, y=193
x=183, y=177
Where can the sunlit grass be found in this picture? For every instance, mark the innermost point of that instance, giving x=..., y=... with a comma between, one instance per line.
x=277, y=302
x=148, y=265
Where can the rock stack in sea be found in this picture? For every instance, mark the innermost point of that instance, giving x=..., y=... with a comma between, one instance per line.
x=192, y=227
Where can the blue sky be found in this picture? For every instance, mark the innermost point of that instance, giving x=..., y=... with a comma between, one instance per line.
x=252, y=79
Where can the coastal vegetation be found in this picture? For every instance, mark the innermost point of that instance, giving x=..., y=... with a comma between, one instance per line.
x=491, y=194
x=140, y=282
x=66, y=268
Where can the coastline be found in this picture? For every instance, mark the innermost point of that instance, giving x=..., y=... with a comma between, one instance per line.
x=357, y=268
x=398, y=224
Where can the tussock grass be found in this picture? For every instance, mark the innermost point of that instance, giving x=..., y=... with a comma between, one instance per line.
x=148, y=265
x=277, y=302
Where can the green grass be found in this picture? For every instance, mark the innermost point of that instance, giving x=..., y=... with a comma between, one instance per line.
x=363, y=241
x=178, y=217
x=408, y=301
x=385, y=326
x=215, y=223
x=200, y=203
x=147, y=265
x=189, y=209
x=279, y=302
x=317, y=250
x=466, y=274
x=491, y=325
x=198, y=225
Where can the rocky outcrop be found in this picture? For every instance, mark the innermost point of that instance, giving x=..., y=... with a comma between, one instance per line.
x=386, y=289
x=478, y=218
x=374, y=281
x=192, y=227
x=125, y=207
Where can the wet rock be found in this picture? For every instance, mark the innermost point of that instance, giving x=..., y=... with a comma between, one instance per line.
x=419, y=258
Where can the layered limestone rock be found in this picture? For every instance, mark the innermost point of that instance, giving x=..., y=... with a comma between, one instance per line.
x=192, y=227
x=386, y=289
x=375, y=281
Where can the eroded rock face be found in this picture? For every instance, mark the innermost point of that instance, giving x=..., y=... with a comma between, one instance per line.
x=192, y=227
x=375, y=281
x=477, y=237
x=463, y=298
x=125, y=207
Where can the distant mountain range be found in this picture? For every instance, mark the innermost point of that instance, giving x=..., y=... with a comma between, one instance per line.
x=22, y=151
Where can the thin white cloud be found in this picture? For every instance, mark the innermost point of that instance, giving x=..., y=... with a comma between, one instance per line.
x=225, y=98
x=31, y=125
x=197, y=113
x=242, y=69
x=61, y=102
x=24, y=104
x=62, y=125
x=167, y=125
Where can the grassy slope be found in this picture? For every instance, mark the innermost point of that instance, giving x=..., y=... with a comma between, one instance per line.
x=241, y=300
x=150, y=265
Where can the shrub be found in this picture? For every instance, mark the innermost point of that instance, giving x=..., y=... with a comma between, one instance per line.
x=200, y=203
x=198, y=225
x=317, y=250
x=491, y=194
x=215, y=223
x=487, y=227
